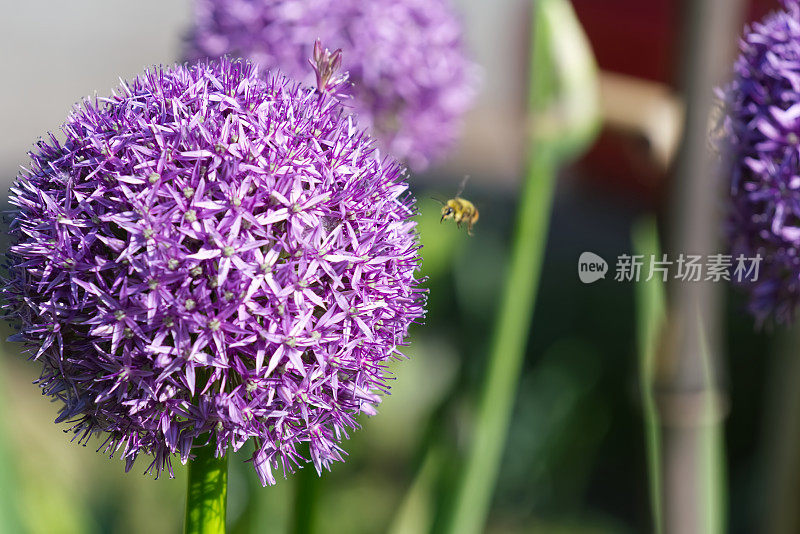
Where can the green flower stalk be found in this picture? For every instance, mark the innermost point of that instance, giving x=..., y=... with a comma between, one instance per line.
x=650, y=318
x=564, y=114
x=207, y=493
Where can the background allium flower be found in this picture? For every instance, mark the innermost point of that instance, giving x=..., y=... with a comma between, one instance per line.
x=762, y=130
x=412, y=81
x=210, y=253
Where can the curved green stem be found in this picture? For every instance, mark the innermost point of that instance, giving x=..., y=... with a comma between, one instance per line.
x=508, y=349
x=564, y=115
x=207, y=493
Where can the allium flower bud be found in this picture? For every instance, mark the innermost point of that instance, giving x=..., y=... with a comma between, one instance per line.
x=762, y=137
x=211, y=255
x=412, y=81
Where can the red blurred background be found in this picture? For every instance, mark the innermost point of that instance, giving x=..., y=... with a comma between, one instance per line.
x=642, y=42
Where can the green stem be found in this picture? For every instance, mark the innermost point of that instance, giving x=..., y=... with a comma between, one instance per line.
x=562, y=105
x=473, y=496
x=207, y=493
x=650, y=317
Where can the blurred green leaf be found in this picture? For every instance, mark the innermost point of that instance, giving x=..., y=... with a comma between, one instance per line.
x=416, y=512
x=9, y=489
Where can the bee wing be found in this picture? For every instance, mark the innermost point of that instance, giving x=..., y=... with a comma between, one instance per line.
x=462, y=186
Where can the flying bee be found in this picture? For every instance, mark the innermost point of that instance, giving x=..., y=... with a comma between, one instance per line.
x=460, y=209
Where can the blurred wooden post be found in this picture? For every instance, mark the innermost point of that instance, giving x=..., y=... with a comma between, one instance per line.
x=690, y=398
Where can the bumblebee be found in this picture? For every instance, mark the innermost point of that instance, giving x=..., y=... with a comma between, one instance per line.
x=460, y=210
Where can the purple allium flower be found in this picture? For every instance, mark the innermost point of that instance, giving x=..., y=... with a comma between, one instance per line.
x=412, y=81
x=762, y=136
x=213, y=255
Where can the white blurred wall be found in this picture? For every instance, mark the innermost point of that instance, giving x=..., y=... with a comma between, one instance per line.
x=54, y=52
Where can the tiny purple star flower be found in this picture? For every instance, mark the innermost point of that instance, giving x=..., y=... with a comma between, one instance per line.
x=761, y=130
x=412, y=81
x=210, y=255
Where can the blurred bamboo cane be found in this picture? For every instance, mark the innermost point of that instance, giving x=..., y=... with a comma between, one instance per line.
x=689, y=371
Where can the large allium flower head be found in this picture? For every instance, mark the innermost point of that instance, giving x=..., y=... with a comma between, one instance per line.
x=211, y=255
x=412, y=82
x=762, y=138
